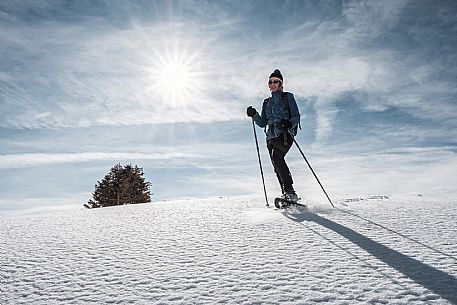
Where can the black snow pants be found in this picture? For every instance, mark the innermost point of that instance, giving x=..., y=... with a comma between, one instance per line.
x=278, y=150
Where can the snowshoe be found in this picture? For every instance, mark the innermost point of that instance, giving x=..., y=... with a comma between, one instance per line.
x=282, y=203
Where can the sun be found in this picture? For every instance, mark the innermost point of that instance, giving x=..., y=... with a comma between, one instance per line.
x=176, y=76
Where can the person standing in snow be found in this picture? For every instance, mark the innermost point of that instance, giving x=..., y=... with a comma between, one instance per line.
x=281, y=117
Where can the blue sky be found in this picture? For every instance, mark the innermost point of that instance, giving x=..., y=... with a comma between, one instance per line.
x=84, y=85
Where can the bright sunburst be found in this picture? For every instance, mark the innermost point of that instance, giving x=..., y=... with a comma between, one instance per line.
x=176, y=76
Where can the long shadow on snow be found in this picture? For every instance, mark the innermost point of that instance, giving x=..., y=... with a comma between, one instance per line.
x=398, y=233
x=433, y=279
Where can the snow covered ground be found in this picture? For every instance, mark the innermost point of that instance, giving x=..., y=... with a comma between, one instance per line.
x=234, y=251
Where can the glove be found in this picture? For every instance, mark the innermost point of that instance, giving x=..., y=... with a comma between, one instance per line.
x=251, y=111
x=286, y=124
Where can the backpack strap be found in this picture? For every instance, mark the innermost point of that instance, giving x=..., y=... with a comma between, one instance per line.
x=285, y=99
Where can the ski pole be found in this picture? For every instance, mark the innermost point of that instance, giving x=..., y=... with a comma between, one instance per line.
x=260, y=162
x=315, y=176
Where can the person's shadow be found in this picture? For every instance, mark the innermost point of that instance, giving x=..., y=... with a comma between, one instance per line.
x=437, y=281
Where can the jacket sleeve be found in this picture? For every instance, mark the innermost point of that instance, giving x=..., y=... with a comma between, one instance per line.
x=261, y=119
x=294, y=112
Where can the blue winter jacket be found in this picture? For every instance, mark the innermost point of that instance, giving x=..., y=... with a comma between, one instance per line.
x=274, y=110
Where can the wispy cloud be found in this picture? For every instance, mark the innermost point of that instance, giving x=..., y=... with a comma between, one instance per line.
x=40, y=159
x=374, y=50
x=107, y=76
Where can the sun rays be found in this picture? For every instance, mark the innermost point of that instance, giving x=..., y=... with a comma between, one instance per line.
x=176, y=77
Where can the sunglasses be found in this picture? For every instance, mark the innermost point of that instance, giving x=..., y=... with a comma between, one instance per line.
x=273, y=82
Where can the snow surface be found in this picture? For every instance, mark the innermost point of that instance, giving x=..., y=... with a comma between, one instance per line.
x=234, y=251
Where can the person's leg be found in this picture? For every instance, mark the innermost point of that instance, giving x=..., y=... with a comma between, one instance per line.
x=278, y=152
x=271, y=149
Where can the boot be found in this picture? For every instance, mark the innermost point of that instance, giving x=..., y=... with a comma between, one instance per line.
x=291, y=196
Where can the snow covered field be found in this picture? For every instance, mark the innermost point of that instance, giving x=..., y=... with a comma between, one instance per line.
x=234, y=251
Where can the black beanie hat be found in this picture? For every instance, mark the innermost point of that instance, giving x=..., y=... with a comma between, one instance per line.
x=277, y=74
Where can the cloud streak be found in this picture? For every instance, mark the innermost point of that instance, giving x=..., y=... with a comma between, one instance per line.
x=105, y=78
x=42, y=159
x=376, y=49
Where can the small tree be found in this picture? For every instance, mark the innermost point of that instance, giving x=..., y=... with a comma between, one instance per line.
x=122, y=185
